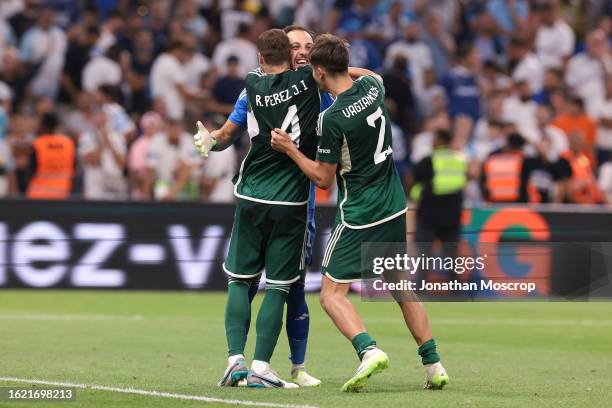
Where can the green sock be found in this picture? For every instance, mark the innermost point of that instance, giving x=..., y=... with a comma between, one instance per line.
x=362, y=343
x=428, y=352
x=237, y=314
x=270, y=321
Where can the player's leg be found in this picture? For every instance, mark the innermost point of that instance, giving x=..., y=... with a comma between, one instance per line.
x=298, y=321
x=284, y=262
x=415, y=315
x=341, y=266
x=253, y=289
x=298, y=315
x=243, y=266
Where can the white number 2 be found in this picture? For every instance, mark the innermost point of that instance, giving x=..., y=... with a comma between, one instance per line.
x=292, y=119
x=379, y=155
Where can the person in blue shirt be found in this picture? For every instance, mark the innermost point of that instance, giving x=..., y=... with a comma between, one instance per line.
x=461, y=86
x=298, y=320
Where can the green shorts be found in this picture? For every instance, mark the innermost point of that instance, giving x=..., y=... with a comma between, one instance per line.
x=342, y=259
x=268, y=236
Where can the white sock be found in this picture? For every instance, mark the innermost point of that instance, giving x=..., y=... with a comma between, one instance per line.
x=232, y=359
x=259, y=366
x=432, y=368
x=296, y=367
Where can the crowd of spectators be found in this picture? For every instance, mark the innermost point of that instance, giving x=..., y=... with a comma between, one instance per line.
x=126, y=81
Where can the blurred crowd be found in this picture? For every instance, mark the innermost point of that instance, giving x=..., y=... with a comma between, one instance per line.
x=118, y=86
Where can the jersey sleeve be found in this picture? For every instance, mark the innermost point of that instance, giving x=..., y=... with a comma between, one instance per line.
x=370, y=80
x=330, y=141
x=239, y=114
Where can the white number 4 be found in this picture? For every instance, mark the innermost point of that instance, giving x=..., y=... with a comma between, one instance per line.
x=292, y=119
x=379, y=155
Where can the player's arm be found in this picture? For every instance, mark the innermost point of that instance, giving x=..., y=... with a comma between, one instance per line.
x=321, y=173
x=356, y=72
x=223, y=137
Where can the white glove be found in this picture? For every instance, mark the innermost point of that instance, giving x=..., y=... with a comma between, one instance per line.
x=203, y=140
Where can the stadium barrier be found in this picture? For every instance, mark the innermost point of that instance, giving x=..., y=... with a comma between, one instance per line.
x=181, y=246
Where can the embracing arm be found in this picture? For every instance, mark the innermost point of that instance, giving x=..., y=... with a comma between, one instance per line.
x=355, y=73
x=322, y=174
x=225, y=135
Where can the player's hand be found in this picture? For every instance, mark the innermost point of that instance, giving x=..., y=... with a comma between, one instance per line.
x=281, y=142
x=203, y=140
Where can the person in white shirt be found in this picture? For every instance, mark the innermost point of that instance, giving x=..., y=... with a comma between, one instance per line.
x=43, y=47
x=173, y=165
x=415, y=52
x=102, y=70
x=528, y=67
x=197, y=64
x=169, y=81
x=601, y=111
x=553, y=141
x=8, y=181
x=488, y=130
x=586, y=71
x=108, y=33
x=103, y=154
x=241, y=48
x=555, y=39
x=217, y=174
x=519, y=109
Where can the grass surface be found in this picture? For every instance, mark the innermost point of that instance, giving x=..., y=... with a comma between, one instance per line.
x=497, y=354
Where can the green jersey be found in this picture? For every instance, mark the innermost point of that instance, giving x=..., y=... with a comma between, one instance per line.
x=289, y=101
x=356, y=134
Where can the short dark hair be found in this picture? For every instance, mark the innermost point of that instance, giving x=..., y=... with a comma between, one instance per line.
x=331, y=53
x=113, y=92
x=443, y=136
x=297, y=27
x=464, y=50
x=273, y=45
x=575, y=100
x=48, y=123
x=243, y=29
x=515, y=141
x=175, y=45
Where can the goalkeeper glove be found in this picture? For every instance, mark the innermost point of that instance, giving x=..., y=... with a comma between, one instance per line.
x=203, y=140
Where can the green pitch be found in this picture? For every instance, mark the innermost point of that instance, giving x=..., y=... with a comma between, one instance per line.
x=497, y=354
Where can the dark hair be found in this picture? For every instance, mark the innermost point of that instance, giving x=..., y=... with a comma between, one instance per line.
x=175, y=45
x=93, y=30
x=48, y=122
x=330, y=53
x=297, y=27
x=576, y=101
x=515, y=141
x=443, y=136
x=400, y=63
x=113, y=52
x=518, y=41
x=273, y=45
x=464, y=50
x=110, y=91
x=243, y=29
